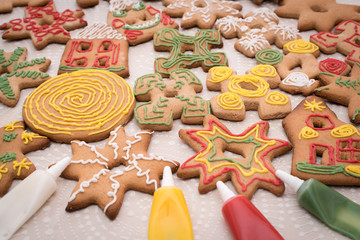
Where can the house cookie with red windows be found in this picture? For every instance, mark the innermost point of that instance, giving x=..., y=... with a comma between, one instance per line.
x=96, y=47
x=325, y=148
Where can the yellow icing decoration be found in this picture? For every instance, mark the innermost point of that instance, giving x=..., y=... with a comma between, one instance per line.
x=26, y=137
x=264, y=71
x=11, y=126
x=202, y=156
x=344, y=131
x=219, y=74
x=248, y=85
x=20, y=165
x=308, y=133
x=86, y=100
x=353, y=170
x=3, y=170
x=313, y=105
x=301, y=46
x=230, y=101
x=276, y=98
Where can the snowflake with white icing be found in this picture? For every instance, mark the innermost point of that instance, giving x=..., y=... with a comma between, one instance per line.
x=253, y=41
x=286, y=32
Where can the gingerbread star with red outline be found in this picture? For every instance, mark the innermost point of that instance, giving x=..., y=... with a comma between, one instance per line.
x=14, y=143
x=99, y=183
x=253, y=168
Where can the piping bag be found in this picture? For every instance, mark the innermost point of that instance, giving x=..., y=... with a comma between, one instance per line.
x=335, y=210
x=18, y=205
x=169, y=217
x=245, y=221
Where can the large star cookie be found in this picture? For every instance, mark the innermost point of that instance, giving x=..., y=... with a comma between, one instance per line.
x=321, y=15
x=14, y=143
x=252, y=170
x=325, y=148
x=19, y=74
x=44, y=25
x=201, y=13
x=99, y=183
x=83, y=105
x=343, y=90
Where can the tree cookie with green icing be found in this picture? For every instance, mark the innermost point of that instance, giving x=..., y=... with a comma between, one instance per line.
x=344, y=90
x=15, y=141
x=171, y=40
x=137, y=21
x=252, y=169
x=166, y=101
x=101, y=183
x=325, y=148
x=16, y=73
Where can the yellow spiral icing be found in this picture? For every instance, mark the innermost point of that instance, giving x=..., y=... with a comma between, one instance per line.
x=343, y=131
x=90, y=101
x=301, y=46
x=353, y=170
x=230, y=101
x=308, y=133
x=219, y=74
x=248, y=85
x=276, y=98
x=262, y=70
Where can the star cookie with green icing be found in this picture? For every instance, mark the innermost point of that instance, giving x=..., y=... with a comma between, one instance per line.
x=344, y=90
x=14, y=143
x=248, y=172
x=99, y=182
x=17, y=74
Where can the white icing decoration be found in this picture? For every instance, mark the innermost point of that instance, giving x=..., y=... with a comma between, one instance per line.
x=229, y=23
x=90, y=161
x=119, y=5
x=115, y=186
x=92, y=148
x=85, y=184
x=113, y=144
x=266, y=14
x=298, y=79
x=253, y=42
x=286, y=32
x=99, y=31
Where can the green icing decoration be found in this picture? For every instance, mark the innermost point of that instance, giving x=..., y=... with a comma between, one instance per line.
x=8, y=157
x=14, y=56
x=8, y=137
x=357, y=112
x=6, y=88
x=120, y=14
x=326, y=73
x=2, y=57
x=202, y=42
x=138, y=6
x=20, y=65
x=320, y=89
x=269, y=56
x=347, y=83
x=319, y=169
x=111, y=69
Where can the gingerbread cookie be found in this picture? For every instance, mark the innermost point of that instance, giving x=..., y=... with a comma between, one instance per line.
x=344, y=40
x=96, y=47
x=17, y=74
x=325, y=148
x=257, y=31
x=343, y=90
x=321, y=15
x=137, y=21
x=8, y=5
x=44, y=25
x=170, y=100
x=87, y=3
x=299, y=83
x=14, y=143
x=177, y=44
x=269, y=57
x=99, y=182
x=202, y=14
x=334, y=66
x=244, y=92
x=266, y=72
x=250, y=171
x=83, y=105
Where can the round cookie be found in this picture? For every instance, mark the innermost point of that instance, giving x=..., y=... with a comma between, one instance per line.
x=83, y=105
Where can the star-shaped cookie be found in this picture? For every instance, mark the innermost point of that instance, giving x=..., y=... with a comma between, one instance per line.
x=253, y=168
x=17, y=74
x=99, y=183
x=343, y=90
x=321, y=15
x=15, y=141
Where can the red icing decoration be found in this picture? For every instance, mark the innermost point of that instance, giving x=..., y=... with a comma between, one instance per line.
x=312, y=159
x=321, y=116
x=76, y=59
x=132, y=34
x=97, y=60
x=347, y=146
x=332, y=65
x=105, y=50
x=152, y=10
x=165, y=19
x=118, y=23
